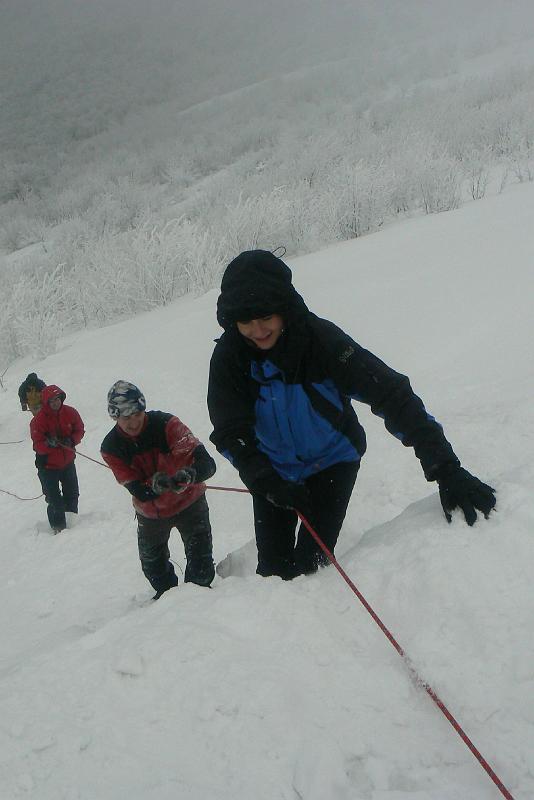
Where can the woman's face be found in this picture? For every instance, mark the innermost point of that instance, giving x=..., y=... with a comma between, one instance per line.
x=263, y=332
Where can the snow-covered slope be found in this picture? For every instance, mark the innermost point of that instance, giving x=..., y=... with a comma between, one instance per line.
x=263, y=689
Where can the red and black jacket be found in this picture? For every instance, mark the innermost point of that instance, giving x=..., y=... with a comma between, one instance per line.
x=166, y=445
x=64, y=425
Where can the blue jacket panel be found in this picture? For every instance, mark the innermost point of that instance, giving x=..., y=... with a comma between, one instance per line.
x=296, y=438
x=288, y=412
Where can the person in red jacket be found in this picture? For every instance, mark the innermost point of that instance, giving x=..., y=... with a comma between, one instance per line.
x=56, y=430
x=163, y=466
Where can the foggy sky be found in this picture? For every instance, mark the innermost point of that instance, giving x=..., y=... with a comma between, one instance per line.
x=62, y=59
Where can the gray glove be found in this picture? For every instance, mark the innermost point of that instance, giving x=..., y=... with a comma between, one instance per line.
x=161, y=483
x=183, y=478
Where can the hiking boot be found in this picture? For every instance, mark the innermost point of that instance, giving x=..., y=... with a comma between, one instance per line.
x=285, y=569
x=161, y=591
x=200, y=571
x=170, y=583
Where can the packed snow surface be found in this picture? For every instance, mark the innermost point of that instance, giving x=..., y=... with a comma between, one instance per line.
x=265, y=690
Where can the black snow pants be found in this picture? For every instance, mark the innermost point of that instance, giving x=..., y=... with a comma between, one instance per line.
x=193, y=524
x=60, y=488
x=330, y=491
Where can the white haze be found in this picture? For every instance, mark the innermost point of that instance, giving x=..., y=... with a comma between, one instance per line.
x=70, y=69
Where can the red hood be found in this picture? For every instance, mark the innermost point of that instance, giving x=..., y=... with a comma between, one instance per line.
x=52, y=391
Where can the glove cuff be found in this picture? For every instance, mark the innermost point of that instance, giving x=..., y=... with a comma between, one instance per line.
x=444, y=471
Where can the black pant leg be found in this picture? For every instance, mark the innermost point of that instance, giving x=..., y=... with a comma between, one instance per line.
x=193, y=524
x=70, y=489
x=275, y=538
x=153, y=543
x=55, y=510
x=330, y=491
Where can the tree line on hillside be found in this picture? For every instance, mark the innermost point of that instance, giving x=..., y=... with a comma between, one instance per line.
x=131, y=226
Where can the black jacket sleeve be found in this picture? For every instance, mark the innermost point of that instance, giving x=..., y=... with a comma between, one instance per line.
x=140, y=491
x=203, y=463
x=362, y=376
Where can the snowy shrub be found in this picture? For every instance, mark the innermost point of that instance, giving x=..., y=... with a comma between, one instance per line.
x=19, y=232
x=357, y=199
x=521, y=157
x=106, y=277
x=476, y=167
x=39, y=309
x=18, y=179
x=248, y=224
x=439, y=183
x=10, y=348
x=299, y=215
x=203, y=257
x=141, y=201
x=119, y=275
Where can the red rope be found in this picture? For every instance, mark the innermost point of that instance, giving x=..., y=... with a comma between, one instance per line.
x=428, y=689
x=227, y=489
x=94, y=460
x=431, y=693
x=65, y=447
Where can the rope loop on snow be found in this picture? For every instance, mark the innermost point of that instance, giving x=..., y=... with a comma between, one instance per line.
x=12, y=494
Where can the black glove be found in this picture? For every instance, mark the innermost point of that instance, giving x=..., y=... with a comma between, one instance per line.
x=290, y=495
x=182, y=479
x=67, y=441
x=459, y=489
x=141, y=491
x=51, y=441
x=161, y=482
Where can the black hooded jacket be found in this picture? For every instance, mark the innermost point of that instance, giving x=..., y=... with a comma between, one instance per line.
x=287, y=412
x=32, y=381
